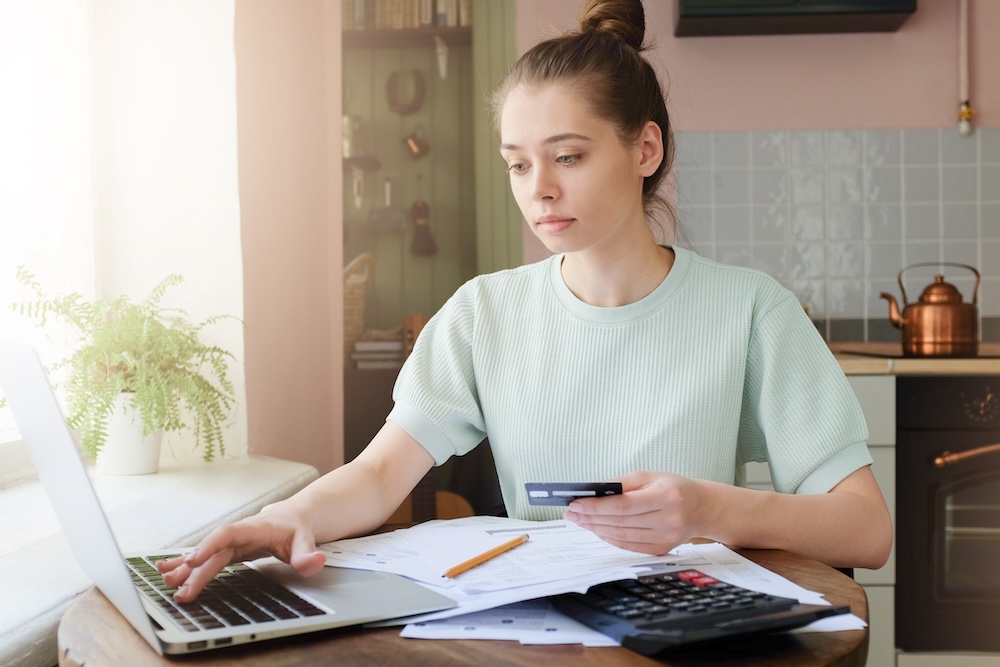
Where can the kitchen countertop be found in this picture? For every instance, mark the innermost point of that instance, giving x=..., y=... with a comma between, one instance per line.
x=888, y=359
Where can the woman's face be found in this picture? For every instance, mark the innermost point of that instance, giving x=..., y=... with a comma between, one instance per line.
x=577, y=185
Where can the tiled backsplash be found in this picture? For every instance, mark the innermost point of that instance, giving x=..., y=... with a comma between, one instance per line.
x=836, y=214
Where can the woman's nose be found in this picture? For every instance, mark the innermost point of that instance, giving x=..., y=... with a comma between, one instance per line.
x=543, y=184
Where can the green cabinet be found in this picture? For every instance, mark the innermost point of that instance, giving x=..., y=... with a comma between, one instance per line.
x=472, y=217
x=393, y=90
x=437, y=112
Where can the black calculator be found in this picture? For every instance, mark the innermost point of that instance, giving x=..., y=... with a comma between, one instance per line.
x=670, y=609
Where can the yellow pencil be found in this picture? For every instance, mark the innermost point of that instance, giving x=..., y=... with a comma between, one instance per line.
x=485, y=556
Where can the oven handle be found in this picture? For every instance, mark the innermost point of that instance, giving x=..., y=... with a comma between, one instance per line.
x=947, y=458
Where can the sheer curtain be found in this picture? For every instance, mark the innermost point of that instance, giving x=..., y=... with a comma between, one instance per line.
x=118, y=161
x=46, y=121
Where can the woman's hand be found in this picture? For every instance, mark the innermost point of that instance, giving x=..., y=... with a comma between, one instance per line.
x=848, y=526
x=353, y=499
x=277, y=530
x=656, y=512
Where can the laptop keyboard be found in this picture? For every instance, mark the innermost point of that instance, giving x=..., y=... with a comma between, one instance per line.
x=239, y=595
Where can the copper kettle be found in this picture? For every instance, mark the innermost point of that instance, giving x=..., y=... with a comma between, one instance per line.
x=939, y=324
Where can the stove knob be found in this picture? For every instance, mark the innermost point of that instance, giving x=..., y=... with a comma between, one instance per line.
x=983, y=406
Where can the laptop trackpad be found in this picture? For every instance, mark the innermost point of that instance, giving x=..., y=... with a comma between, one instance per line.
x=368, y=595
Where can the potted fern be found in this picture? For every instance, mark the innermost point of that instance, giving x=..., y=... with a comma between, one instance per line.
x=139, y=367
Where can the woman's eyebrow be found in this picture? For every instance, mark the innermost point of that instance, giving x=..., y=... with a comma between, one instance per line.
x=554, y=139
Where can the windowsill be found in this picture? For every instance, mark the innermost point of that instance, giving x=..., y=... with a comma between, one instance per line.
x=175, y=507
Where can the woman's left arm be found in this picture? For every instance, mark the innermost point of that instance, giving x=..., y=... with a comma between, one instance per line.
x=849, y=526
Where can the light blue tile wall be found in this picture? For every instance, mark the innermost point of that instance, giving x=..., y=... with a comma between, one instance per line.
x=836, y=214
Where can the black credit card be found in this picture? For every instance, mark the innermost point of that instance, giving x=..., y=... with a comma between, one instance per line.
x=563, y=493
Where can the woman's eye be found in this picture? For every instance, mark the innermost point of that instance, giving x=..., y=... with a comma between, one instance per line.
x=517, y=168
x=567, y=159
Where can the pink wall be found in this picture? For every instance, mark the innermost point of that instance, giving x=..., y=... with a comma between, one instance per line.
x=291, y=191
x=903, y=79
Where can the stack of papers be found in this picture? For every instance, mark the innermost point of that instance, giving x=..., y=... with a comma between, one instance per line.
x=560, y=557
x=530, y=622
x=493, y=598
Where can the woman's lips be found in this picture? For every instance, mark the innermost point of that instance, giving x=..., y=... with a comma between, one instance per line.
x=554, y=224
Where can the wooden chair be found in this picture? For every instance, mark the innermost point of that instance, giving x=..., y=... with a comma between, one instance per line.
x=425, y=503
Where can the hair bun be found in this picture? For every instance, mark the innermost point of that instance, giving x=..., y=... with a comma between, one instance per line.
x=622, y=19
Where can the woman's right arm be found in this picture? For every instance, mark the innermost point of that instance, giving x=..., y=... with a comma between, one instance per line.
x=354, y=499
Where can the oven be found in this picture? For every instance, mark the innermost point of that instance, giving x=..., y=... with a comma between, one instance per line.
x=948, y=513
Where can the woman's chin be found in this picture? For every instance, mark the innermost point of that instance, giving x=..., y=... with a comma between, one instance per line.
x=556, y=244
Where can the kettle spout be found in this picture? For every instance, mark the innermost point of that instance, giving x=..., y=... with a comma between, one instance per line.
x=895, y=318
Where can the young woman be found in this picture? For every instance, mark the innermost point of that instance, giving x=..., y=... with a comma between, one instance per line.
x=616, y=358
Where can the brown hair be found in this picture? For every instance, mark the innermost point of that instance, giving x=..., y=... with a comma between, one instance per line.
x=603, y=61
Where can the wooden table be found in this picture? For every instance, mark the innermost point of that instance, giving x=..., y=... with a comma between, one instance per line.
x=94, y=634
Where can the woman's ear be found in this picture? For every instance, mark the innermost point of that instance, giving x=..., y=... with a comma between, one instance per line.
x=650, y=149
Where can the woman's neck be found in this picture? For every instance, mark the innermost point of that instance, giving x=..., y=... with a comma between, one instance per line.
x=616, y=278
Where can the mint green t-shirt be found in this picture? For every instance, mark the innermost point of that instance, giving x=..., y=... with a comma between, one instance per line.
x=718, y=366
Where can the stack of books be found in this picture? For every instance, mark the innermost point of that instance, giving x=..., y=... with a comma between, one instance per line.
x=405, y=14
x=378, y=354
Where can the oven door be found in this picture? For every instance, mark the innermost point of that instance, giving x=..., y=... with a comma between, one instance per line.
x=948, y=541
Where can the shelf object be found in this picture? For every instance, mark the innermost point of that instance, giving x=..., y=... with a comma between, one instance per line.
x=363, y=162
x=753, y=17
x=405, y=38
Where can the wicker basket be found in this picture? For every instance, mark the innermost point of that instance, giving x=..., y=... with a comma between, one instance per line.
x=357, y=275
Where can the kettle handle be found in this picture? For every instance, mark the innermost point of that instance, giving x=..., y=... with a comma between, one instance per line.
x=975, y=290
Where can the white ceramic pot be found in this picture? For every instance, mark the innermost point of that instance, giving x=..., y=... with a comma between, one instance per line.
x=126, y=452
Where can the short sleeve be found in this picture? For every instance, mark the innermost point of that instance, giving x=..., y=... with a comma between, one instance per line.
x=836, y=468
x=799, y=412
x=436, y=399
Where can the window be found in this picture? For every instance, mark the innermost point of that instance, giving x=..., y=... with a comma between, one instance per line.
x=118, y=164
x=46, y=215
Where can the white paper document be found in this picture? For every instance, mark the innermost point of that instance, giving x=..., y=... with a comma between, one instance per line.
x=531, y=622
x=558, y=558
x=556, y=550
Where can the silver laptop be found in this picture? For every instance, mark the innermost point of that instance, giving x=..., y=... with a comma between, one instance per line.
x=254, y=601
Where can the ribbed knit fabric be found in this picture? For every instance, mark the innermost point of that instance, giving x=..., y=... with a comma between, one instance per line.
x=716, y=367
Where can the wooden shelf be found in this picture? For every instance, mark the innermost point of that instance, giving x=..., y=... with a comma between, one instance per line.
x=405, y=38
